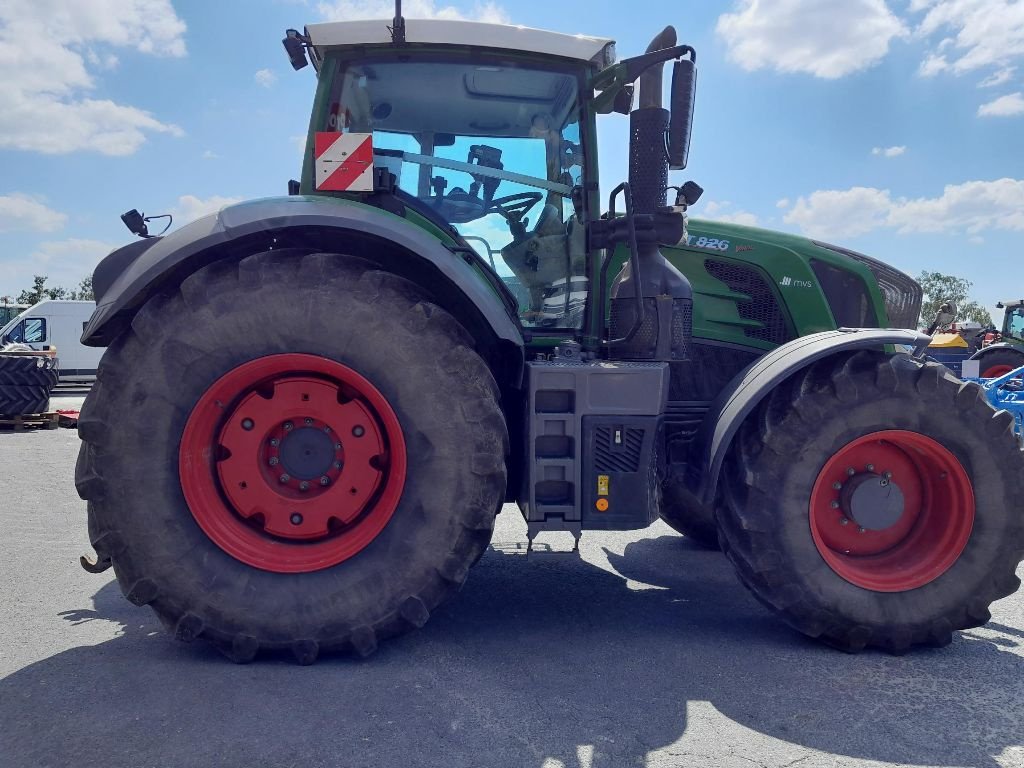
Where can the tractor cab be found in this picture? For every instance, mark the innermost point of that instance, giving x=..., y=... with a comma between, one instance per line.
x=487, y=143
x=1013, y=321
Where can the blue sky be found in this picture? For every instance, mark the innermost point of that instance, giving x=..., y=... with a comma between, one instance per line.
x=894, y=127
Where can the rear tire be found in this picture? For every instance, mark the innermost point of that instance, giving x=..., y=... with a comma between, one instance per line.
x=773, y=483
x=224, y=317
x=1000, y=362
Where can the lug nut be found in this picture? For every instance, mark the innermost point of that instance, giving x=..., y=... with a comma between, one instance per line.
x=358, y=431
x=273, y=461
x=296, y=518
x=303, y=486
x=337, y=465
x=834, y=505
x=247, y=424
x=308, y=422
x=337, y=446
x=871, y=467
x=325, y=480
x=883, y=482
x=837, y=486
x=843, y=521
x=285, y=478
x=887, y=475
x=327, y=429
x=288, y=426
x=274, y=442
x=862, y=530
x=851, y=471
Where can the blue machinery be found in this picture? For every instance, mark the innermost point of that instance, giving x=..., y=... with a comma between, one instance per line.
x=1006, y=393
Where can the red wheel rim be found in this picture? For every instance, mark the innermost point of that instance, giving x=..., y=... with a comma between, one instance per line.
x=996, y=371
x=897, y=532
x=292, y=463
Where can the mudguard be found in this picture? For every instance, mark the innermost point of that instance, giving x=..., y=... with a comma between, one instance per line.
x=999, y=345
x=130, y=275
x=749, y=388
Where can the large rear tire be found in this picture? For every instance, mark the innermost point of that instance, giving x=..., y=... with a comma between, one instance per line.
x=1000, y=362
x=292, y=452
x=817, y=531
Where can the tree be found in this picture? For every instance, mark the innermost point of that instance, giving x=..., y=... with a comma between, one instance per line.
x=39, y=291
x=84, y=292
x=939, y=288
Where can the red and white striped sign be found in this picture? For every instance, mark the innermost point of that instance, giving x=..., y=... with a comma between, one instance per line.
x=344, y=161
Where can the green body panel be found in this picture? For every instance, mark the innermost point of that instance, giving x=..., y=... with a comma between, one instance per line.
x=777, y=256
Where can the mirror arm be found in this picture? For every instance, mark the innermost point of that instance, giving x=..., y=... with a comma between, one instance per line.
x=611, y=80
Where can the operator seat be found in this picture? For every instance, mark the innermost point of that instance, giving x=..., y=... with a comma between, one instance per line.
x=541, y=257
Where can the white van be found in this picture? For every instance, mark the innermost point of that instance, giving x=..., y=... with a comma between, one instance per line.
x=59, y=324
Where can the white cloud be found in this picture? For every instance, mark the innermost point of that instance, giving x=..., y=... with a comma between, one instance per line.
x=299, y=142
x=889, y=151
x=977, y=34
x=998, y=78
x=209, y=154
x=932, y=65
x=827, y=40
x=189, y=207
x=48, y=52
x=969, y=208
x=1004, y=106
x=265, y=77
x=834, y=213
x=783, y=203
x=724, y=211
x=64, y=262
x=336, y=10
x=19, y=211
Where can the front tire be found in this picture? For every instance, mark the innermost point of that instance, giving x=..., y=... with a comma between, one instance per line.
x=1000, y=362
x=844, y=553
x=258, y=370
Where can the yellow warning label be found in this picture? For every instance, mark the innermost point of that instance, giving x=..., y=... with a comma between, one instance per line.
x=602, y=485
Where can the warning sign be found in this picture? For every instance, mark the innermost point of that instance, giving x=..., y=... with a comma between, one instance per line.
x=344, y=161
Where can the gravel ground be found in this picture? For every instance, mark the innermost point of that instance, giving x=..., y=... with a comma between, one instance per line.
x=644, y=651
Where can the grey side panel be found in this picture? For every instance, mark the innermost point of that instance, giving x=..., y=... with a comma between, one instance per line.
x=749, y=388
x=257, y=222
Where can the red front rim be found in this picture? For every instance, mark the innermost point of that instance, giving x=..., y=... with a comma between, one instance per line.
x=892, y=511
x=996, y=371
x=292, y=463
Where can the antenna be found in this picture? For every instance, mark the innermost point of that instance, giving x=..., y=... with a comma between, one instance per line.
x=398, y=25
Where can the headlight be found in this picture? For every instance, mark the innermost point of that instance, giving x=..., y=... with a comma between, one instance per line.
x=901, y=292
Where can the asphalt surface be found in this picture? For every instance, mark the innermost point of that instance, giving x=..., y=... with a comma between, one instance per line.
x=644, y=652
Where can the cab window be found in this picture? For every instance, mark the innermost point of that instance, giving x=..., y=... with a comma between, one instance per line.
x=497, y=161
x=31, y=330
x=1015, y=323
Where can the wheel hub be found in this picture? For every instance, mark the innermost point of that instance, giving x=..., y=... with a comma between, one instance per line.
x=891, y=511
x=872, y=501
x=302, y=462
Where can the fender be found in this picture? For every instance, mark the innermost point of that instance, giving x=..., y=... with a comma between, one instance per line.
x=750, y=387
x=999, y=345
x=130, y=275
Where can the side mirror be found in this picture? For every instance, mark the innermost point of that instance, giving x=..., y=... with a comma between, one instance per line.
x=135, y=222
x=684, y=91
x=295, y=46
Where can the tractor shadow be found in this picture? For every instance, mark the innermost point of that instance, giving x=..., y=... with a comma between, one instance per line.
x=537, y=660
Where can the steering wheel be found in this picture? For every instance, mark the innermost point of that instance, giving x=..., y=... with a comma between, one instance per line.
x=515, y=207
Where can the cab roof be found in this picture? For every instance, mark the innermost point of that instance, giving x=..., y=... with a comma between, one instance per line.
x=597, y=50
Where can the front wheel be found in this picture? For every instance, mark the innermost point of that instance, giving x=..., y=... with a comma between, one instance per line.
x=874, y=500
x=295, y=452
x=1000, y=362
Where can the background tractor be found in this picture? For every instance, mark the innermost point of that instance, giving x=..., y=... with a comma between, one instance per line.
x=997, y=352
x=311, y=408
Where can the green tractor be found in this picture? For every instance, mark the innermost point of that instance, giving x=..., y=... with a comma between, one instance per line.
x=311, y=408
x=1003, y=351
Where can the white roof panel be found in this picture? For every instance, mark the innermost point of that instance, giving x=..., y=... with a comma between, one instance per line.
x=503, y=36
